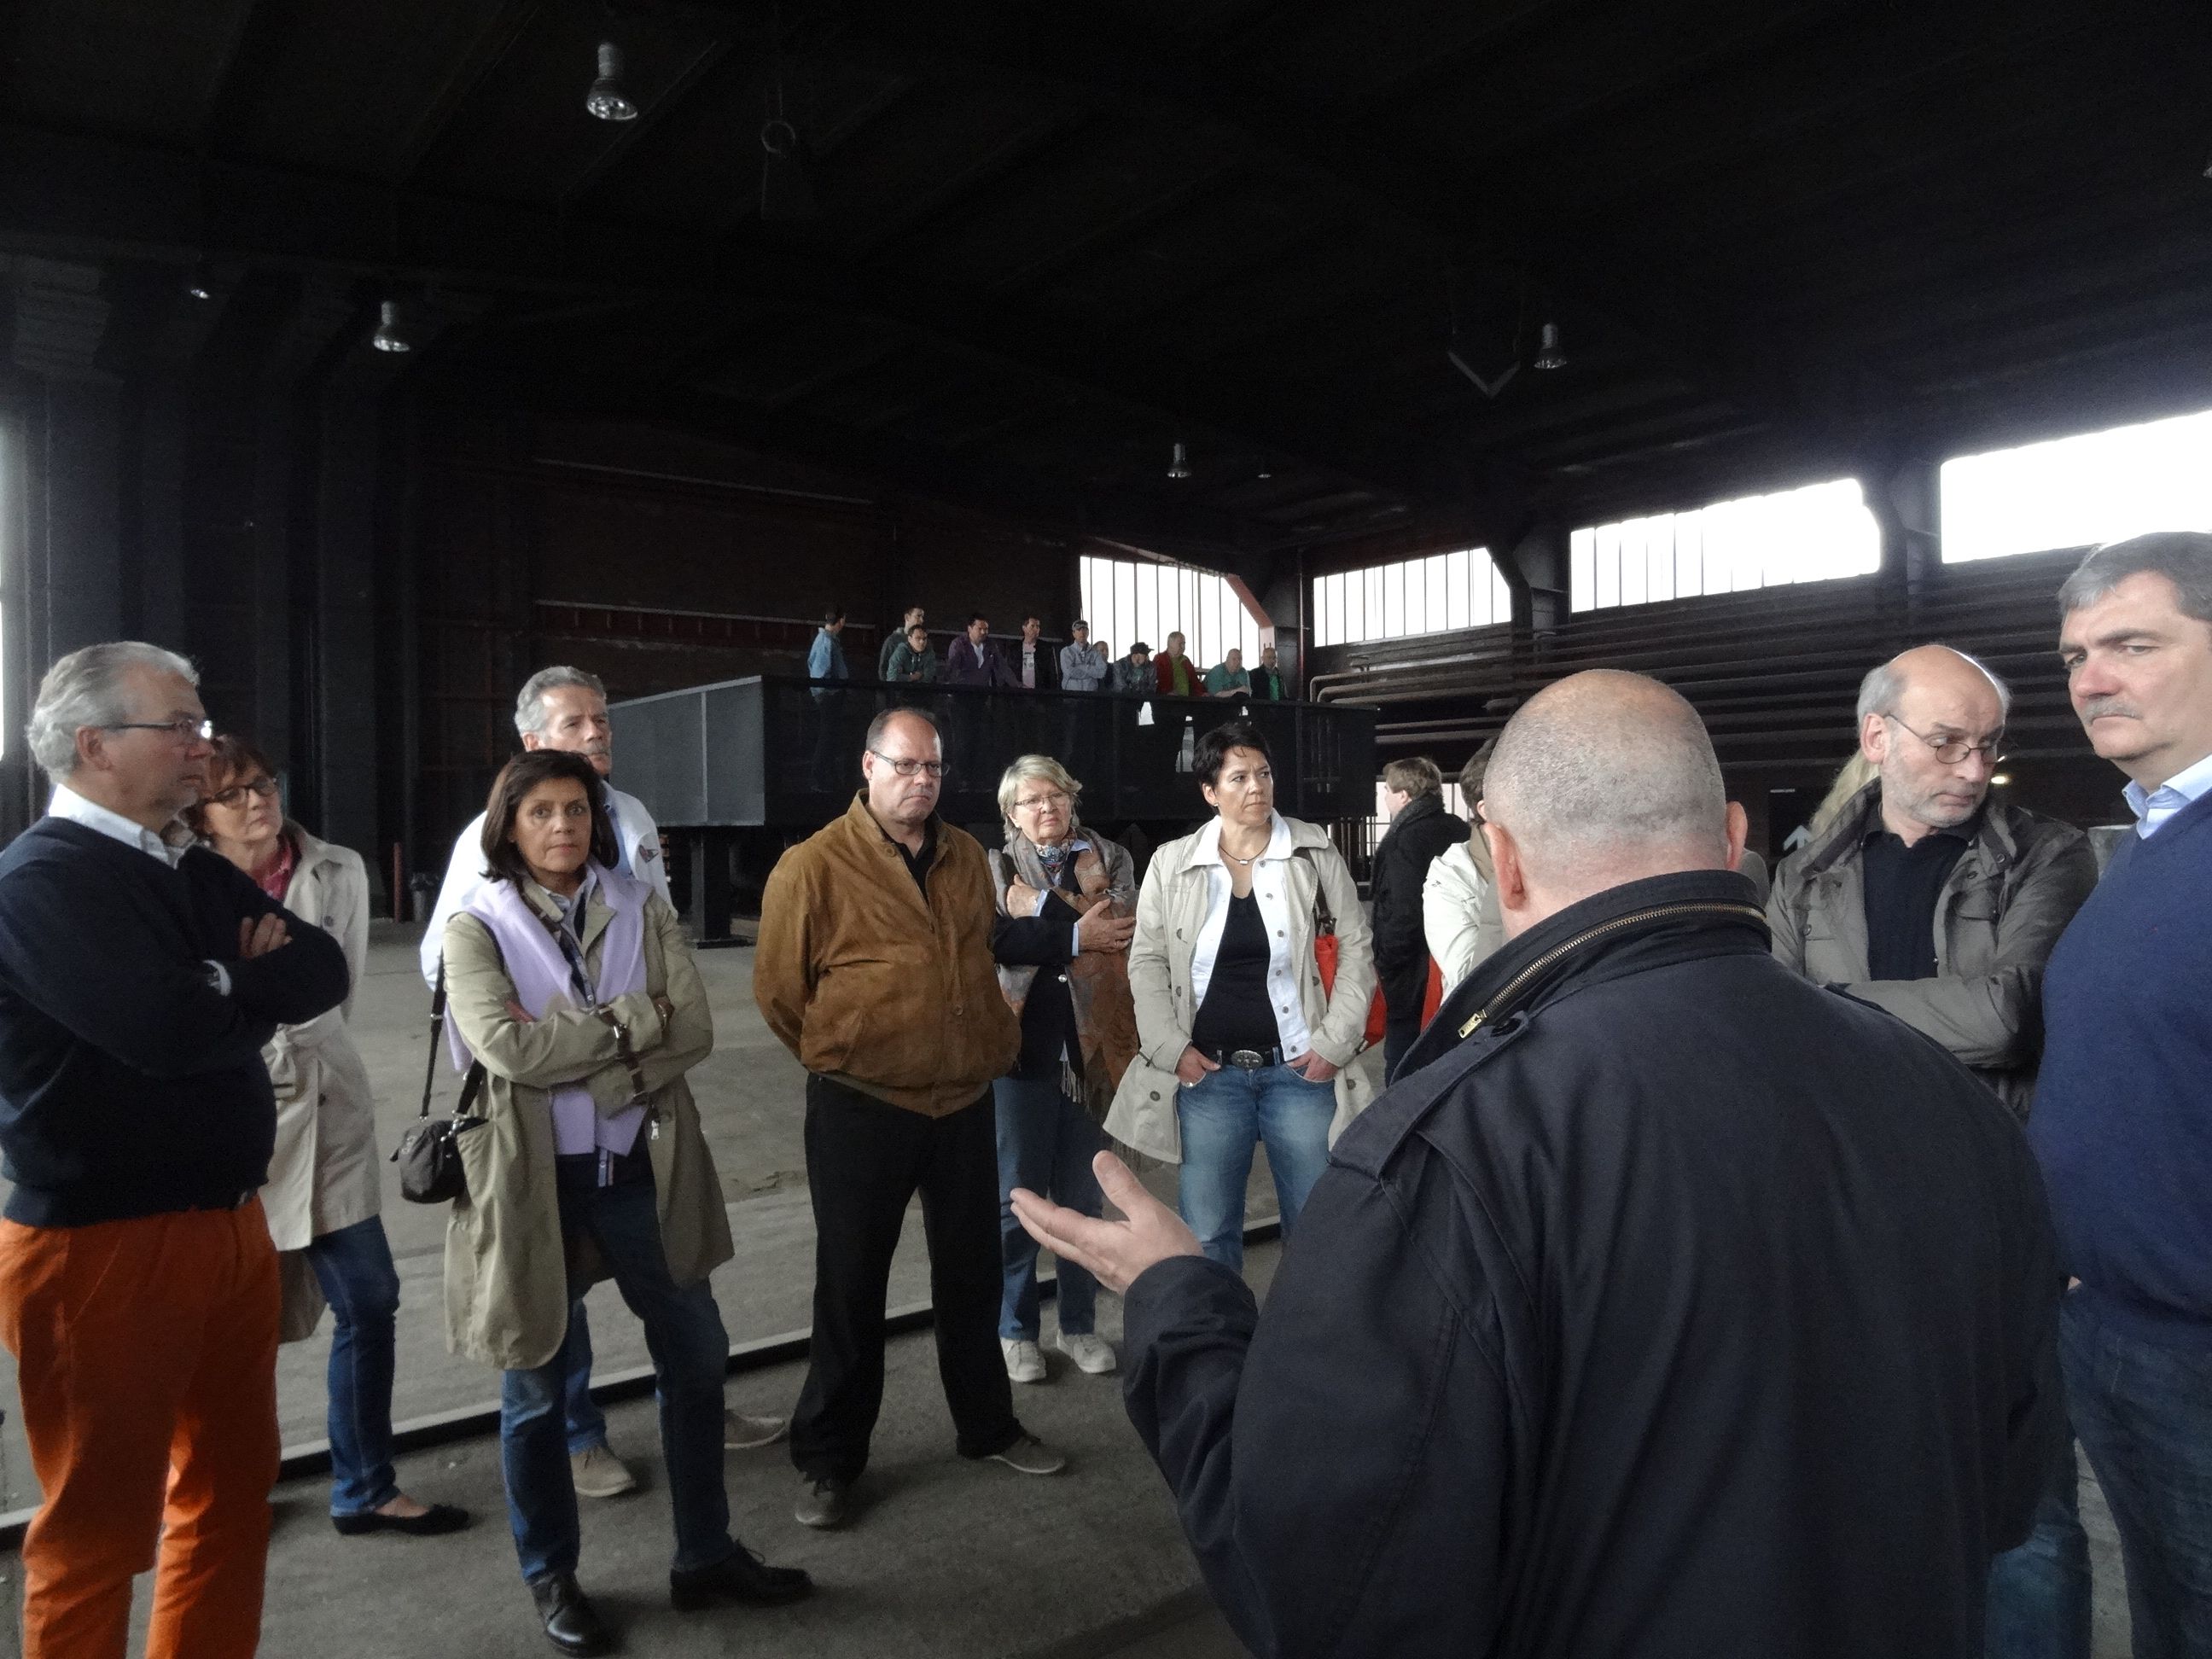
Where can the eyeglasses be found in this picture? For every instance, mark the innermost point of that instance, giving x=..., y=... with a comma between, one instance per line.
x=263, y=787
x=1056, y=797
x=907, y=768
x=185, y=731
x=1952, y=751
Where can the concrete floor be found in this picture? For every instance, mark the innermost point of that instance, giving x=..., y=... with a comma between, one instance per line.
x=1099, y=1566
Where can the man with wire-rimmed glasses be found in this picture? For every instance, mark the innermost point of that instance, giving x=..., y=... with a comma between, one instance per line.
x=874, y=968
x=140, y=976
x=1928, y=896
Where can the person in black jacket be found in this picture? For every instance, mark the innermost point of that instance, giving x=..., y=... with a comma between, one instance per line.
x=1667, y=1305
x=1066, y=909
x=1421, y=831
x=139, y=977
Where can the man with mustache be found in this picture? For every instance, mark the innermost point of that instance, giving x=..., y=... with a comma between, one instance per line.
x=566, y=708
x=2120, y=1123
x=874, y=968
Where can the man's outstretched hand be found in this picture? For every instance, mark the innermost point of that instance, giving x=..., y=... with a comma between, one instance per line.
x=1115, y=1252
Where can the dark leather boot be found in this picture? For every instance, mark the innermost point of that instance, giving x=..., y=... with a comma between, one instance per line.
x=744, y=1577
x=572, y=1624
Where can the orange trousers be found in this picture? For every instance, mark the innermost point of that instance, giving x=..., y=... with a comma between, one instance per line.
x=146, y=1353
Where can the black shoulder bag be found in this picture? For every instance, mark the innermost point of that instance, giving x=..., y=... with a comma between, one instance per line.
x=429, y=1154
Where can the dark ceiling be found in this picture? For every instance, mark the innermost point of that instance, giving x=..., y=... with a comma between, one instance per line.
x=1781, y=238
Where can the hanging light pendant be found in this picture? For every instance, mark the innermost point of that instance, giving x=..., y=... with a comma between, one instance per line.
x=607, y=99
x=1548, y=354
x=390, y=336
x=1180, y=467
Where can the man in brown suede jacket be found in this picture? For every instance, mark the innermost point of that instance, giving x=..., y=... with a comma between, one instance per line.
x=874, y=968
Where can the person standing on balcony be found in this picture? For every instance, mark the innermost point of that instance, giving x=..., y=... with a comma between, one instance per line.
x=1083, y=666
x=1172, y=673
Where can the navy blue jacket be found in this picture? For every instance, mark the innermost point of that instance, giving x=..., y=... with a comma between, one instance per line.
x=1685, y=1308
x=128, y=1084
x=1045, y=942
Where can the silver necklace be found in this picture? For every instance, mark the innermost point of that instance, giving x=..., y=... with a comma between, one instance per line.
x=1233, y=858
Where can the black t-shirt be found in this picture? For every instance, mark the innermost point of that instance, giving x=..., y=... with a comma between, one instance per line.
x=1236, y=1013
x=1902, y=884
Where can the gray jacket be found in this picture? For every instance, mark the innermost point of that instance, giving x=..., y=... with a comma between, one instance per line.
x=1997, y=918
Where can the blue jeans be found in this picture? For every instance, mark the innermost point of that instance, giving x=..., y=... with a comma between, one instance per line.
x=1046, y=1142
x=354, y=1267
x=1222, y=1115
x=2144, y=1411
x=587, y=1423
x=2039, y=1604
x=682, y=1332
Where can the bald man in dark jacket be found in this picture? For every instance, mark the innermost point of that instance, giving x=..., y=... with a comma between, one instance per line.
x=1668, y=1304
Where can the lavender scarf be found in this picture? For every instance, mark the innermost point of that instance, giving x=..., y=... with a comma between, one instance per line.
x=540, y=974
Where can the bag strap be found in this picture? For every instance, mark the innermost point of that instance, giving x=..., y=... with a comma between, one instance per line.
x=1324, y=918
x=437, y=1034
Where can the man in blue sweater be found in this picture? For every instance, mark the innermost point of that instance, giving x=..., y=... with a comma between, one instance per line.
x=2123, y=1119
x=139, y=977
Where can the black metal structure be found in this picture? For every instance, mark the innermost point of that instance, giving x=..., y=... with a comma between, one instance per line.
x=735, y=771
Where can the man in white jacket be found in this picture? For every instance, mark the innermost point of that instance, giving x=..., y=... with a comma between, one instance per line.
x=1459, y=900
x=566, y=708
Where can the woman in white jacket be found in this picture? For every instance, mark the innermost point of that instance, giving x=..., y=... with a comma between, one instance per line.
x=325, y=1190
x=1238, y=1042
x=1458, y=898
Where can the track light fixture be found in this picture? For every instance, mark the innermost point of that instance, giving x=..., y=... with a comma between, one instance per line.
x=1549, y=354
x=390, y=336
x=1180, y=467
x=607, y=99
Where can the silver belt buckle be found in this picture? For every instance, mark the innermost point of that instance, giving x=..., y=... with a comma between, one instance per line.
x=1249, y=1059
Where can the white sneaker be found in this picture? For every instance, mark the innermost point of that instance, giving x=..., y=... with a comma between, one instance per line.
x=1025, y=1360
x=599, y=1472
x=1093, y=1355
x=743, y=1433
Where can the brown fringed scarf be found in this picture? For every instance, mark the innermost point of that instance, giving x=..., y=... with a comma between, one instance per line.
x=1098, y=983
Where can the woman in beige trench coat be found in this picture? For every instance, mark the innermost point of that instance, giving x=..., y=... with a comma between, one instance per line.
x=322, y=1196
x=571, y=985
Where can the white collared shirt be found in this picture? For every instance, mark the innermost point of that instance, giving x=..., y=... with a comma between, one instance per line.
x=2154, y=807
x=1271, y=888
x=68, y=804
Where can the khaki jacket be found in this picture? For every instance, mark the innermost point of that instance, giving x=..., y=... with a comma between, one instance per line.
x=867, y=983
x=1997, y=918
x=1171, y=909
x=324, y=1172
x=506, y=1271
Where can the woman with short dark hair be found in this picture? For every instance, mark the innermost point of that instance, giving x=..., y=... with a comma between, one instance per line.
x=572, y=985
x=1239, y=1040
x=324, y=1189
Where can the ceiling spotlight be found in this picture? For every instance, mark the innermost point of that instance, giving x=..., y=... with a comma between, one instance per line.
x=607, y=99
x=389, y=335
x=1549, y=354
x=1999, y=778
x=196, y=287
x=1265, y=473
x=1180, y=467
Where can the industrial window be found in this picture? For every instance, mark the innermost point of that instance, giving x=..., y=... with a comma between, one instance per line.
x=1125, y=600
x=1433, y=595
x=2071, y=492
x=1814, y=534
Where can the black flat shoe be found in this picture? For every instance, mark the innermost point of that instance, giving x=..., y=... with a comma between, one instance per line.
x=437, y=1519
x=744, y=1577
x=572, y=1624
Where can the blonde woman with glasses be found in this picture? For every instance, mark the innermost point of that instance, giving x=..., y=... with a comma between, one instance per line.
x=1066, y=909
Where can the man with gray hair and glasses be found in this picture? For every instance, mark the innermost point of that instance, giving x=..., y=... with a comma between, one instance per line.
x=566, y=708
x=1670, y=1304
x=1928, y=897
x=2120, y=1124
x=139, y=977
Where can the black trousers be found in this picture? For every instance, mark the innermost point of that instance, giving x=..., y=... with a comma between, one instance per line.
x=1403, y=989
x=864, y=1161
